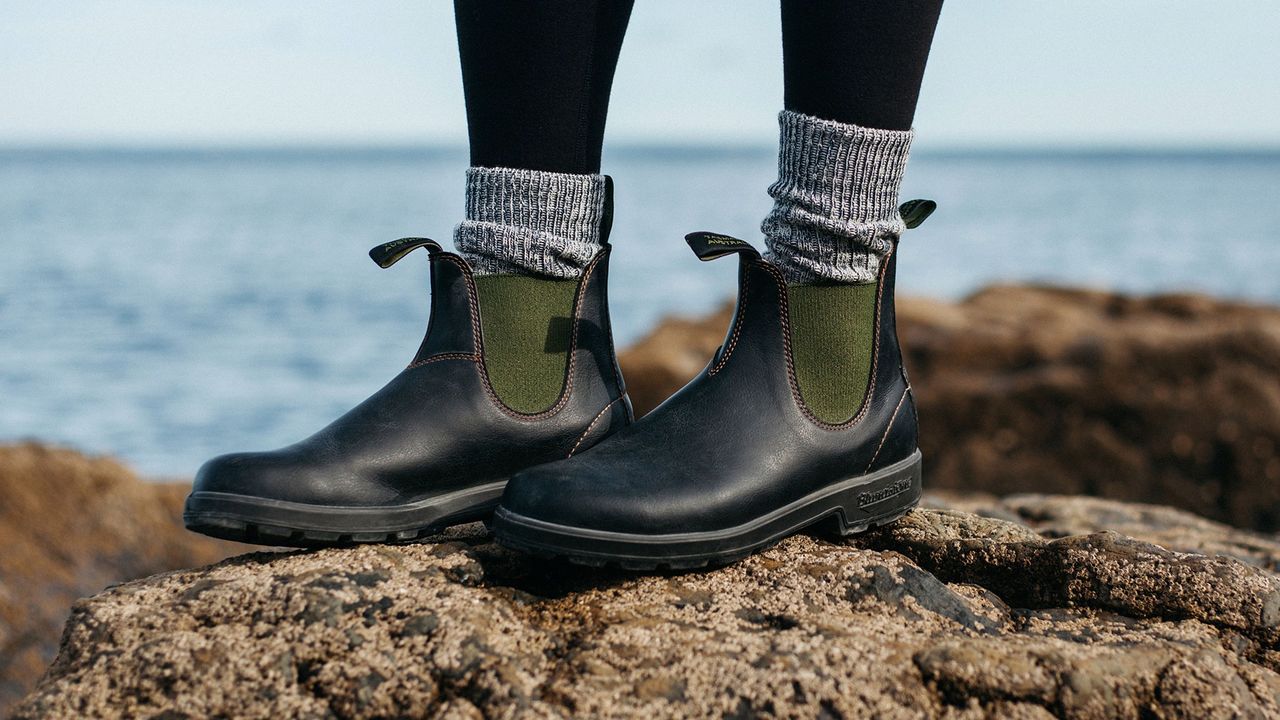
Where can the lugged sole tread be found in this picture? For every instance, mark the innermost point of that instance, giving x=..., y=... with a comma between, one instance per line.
x=686, y=564
x=229, y=529
x=264, y=521
x=871, y=500
x=277, y=536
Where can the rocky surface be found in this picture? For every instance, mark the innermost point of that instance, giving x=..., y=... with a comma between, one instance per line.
x=1178, y=530
x=69, y=526
x=979, y=606
x=975, y=613
x=1172, y=399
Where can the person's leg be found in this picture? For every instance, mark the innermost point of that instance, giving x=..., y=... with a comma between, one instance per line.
x=804, y=414
x=852, y=71
x=857, y=62
x=491, y=390
x=537, y=77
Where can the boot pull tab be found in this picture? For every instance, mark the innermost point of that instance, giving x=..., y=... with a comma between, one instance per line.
x=388, y=254
x=914, y=212
x=710, y=246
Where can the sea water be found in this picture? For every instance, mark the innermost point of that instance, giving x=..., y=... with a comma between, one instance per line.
x=167, y=306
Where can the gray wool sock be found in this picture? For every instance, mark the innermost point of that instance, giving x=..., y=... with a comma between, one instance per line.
x=835, y=211
x=530, y=222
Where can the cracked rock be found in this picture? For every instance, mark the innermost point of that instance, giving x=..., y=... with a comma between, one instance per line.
x=989, y=612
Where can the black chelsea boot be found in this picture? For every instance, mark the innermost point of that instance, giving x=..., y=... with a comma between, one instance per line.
x=436, y=445
x=735, y=460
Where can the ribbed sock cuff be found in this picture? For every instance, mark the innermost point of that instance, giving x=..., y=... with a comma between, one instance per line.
x=530, y=222
x=835, y=213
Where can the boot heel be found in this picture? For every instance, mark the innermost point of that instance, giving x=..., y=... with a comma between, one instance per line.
x=894, y=493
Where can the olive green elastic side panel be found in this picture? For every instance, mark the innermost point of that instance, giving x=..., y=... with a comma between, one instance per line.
x=526, y=322
x=832, y=340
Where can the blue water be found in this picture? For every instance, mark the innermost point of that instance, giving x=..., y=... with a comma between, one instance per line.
x=167, y=307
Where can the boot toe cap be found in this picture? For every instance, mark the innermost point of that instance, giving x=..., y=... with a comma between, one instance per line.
x=252, y=474
x=539, y=493
x=274, y=475
x=578, y=495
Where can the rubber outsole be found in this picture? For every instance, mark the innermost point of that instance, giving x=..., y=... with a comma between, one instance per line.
x=263, y=521
x=853, y=505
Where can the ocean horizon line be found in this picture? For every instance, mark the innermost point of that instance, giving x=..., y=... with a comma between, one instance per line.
x=662, y=150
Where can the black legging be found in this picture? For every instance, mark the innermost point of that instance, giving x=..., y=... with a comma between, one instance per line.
x=856, y=61
x=537, y=74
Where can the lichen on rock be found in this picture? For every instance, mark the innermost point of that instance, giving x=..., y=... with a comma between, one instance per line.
x=946, y=613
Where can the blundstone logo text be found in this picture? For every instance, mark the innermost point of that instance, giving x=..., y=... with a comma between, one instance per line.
x=721, y=240
x=871, y=497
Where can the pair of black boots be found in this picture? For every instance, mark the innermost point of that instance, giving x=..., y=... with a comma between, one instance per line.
x=729, y=464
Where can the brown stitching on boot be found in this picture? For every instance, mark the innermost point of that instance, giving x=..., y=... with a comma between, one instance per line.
x=785, y=319
x=444, y=356
x=888, y=428
x=477, y=337
x=737, y=322
x=587, y=432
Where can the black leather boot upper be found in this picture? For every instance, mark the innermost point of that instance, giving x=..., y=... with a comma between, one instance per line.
x=438, y=426
x=734, y=445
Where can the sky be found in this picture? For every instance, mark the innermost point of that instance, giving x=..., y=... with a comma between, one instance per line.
x=1019, y=73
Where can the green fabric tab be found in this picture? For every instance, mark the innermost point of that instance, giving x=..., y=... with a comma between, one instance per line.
x=832, y=339
x=526, y=323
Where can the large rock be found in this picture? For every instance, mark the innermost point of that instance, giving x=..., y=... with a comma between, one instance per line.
x=69, y=526
x=1170, y=399
x=947, y=613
